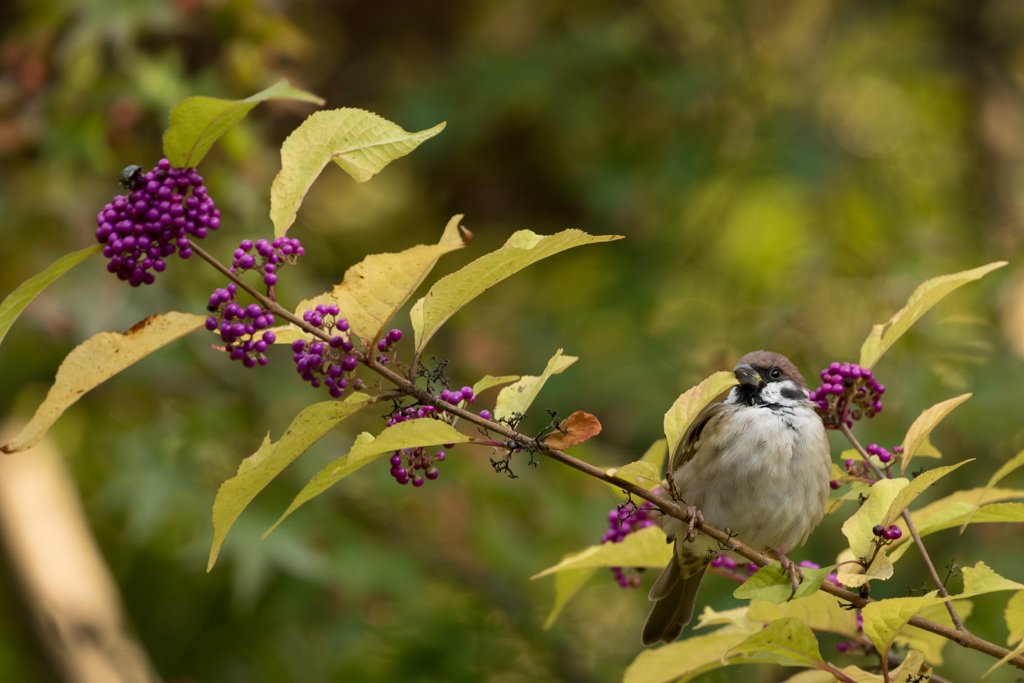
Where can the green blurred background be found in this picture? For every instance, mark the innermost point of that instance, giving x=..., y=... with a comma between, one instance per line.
x=785, y=173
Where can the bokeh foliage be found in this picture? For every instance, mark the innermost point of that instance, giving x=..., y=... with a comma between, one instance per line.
x=785, y=172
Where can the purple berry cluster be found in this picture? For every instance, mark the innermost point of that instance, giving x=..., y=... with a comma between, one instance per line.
x=883, y=455
x=848, y=392
x=890, y=533
x=239, y=326
x=860, y=470
x=266, y=257
x=329, y=363
x=387, y=344
x=164, y=207
x=416, y=465
x=623, y=521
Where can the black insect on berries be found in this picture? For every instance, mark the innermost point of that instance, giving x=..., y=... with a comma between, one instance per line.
x=130, y=176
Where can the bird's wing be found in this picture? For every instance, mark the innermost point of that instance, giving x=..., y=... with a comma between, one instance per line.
x=691, y=439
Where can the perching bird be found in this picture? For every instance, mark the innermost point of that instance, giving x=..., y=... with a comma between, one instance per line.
x=756, y=465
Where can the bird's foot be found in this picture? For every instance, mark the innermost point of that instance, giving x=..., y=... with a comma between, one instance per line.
x=696, y=519
x=796, y=575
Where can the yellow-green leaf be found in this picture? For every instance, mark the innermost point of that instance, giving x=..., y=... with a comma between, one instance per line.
x=1015, y=618
x=487, y=381
x=690, y=403
x=880, y=568
x=980, y=579
x=685, y=659
x=1013, y=653
x=197, y=122
x=736, y=616
x=260, y=468
x=516, y=398
x=15, y=302
x=924, y=425
x=821, y=612
x=96, y=360
x=912, y=670
x=907, y=495
x=1007, y=467
x=811, y=676
x=955, y=514
x=367, y=448
x=641, y=472
x=361, y=143
x=932, y=644
x=645, y=548
x=884, y=618
x=567, y=584
x=380, y=284
x=924, y=297
x=787, y=641
x=454, y=291
x=773, y=584
x=857, y=528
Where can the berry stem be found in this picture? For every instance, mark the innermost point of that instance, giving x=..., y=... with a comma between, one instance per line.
x=913, y=532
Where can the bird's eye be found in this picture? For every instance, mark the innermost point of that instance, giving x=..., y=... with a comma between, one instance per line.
x=775, y=373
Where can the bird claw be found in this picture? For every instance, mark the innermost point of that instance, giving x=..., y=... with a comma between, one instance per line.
x=696, y=519
x=796, y=576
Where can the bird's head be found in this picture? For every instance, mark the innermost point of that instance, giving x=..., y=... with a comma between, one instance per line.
x=768, y=378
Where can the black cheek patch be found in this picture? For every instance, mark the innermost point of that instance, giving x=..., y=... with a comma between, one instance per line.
x=793, y=394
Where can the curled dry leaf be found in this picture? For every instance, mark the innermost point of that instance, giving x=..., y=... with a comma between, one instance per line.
x=574, y=429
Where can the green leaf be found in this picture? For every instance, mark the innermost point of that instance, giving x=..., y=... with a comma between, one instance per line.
x=811, y=676
x=487, y=381
x=955, y=514
x=685, y=659
x=908, y=494
x=1014, y=463
x=924, y=425
x=857, y=528
x=645, y=548
x=361, y=143
x=924, y=297
x=15, y=302
x=197, y=122
x=96, y=360
x=567, y=584
x=772, y=584
x=641, y=472
x=788, y=642
x=980, y=579
x=260, y=468
x=690, y=403
x=1013, y=653
x=516, y=398
x=455, y=290
x=367, y=448
x=884, y=618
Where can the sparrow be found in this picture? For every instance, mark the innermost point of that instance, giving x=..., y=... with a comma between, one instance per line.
x=756, y=465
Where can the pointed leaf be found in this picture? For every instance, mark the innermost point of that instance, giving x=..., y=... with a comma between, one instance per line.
x=15, y=302
x=772, y=584
x=1010, y=655
x=908, y=494
x=96, y=360
x=924, y=297
x=361, y=143
x=645, y=548
x=690, y=403
x=641, y=472
x=567, y=584
x=857, y=528
x=912, y=670
x=260, y=468
x=980, y=579
x=376, y=287
x=516, y=398
x=924, y=425
x=954, y=515
x=1015, y=618
x=736, y=616
x=197, y=122
x=787, y=641
x=487, y=381
x=367, y=448
x=454, y=291
x=883, y=619
x=573, y=430
x=1007, y=467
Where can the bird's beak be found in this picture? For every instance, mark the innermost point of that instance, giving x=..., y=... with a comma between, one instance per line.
x=747, y=375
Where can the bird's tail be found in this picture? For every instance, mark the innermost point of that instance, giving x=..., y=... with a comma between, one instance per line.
x=674, y=596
